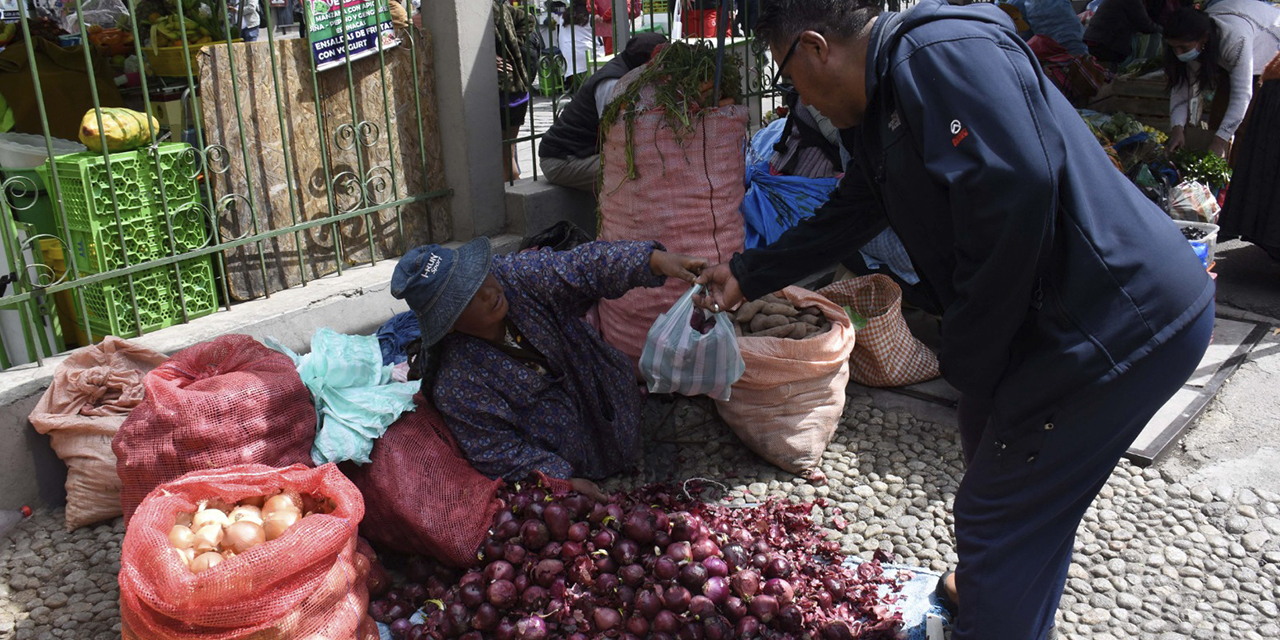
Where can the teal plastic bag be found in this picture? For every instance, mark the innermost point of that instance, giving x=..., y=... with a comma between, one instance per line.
x=679, y=358
x=354, y=395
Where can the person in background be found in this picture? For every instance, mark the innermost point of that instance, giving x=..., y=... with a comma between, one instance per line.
x=577, y=41
x=1235, y=37
x=1252, y=209
x=249, y=17
x=512, y=27
x=524, y=383
x=1073, y=308
x=603, y=11
x=570, y=149
x=1056, y=20
x=1109, y=35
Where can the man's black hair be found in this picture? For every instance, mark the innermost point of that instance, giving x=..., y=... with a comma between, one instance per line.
x=640, y=48
x=785, y=19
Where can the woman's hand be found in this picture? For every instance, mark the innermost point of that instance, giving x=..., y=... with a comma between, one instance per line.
x=1219, y=147
x=1177, y=140
x=723, y=292
x=676, y=265
x=588, y=489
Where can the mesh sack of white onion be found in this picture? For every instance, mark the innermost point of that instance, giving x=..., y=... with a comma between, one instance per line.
x=648, y=564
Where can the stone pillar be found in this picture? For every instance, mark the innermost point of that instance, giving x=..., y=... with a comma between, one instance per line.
x=467, y=104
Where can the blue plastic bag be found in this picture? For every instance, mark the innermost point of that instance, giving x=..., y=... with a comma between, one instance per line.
x=354, y=396
x=773, y=204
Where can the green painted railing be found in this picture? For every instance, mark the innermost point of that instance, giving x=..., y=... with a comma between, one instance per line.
x=350, y=193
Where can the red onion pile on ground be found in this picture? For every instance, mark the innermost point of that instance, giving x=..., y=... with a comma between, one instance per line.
x=650, y=564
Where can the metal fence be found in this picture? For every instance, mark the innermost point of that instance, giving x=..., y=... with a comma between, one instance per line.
x=559, y=73
x=271, y=169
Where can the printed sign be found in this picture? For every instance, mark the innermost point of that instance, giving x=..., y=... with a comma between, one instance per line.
x=9, y=11
x=347, y=29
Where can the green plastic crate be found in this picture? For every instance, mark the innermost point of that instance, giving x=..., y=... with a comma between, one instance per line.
x=91, y=229
x=110, y=312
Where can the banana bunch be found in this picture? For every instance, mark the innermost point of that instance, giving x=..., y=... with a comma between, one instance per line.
x=167, y=32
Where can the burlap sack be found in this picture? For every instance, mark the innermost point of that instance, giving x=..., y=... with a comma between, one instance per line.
x=788, y=403
x=887, y=355
x=92, y=393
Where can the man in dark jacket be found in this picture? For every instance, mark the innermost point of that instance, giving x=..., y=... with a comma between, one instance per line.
x=1073, y=307
x=570, y=150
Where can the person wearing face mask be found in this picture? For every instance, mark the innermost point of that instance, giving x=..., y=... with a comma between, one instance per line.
x=1233, y=37
x=522, y=381
x=1073, y=308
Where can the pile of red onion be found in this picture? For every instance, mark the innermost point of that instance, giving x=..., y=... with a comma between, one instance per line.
x=645, y=565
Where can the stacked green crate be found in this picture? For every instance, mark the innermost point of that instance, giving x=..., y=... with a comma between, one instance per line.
x=100, y=242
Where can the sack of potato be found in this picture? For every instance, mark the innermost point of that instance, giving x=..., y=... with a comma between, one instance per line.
x=788, y=402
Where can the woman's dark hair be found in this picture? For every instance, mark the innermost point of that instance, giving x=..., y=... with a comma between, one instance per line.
x=785, y=19
x=577, y=14
x=1186, y=25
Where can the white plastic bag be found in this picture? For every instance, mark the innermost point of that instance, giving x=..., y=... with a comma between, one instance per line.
x=679, y=358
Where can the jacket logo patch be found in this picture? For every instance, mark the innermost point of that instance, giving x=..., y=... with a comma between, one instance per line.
x=895, y=121
x=958, y=133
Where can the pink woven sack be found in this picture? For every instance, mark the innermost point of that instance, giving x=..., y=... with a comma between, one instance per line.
x=685, y=195
x=887, y=355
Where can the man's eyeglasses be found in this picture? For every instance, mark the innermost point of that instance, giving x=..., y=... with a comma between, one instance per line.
x=778, y=84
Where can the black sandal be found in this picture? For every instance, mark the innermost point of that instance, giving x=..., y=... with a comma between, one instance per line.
x=940, y=594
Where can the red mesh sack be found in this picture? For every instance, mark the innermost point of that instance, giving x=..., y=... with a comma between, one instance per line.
x=421, y=495
x=309, y=583
x=217, y=404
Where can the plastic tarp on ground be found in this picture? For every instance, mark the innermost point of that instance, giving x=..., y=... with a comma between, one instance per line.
x=355, y=397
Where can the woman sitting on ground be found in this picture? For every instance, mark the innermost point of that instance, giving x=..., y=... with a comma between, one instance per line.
x=524, y=383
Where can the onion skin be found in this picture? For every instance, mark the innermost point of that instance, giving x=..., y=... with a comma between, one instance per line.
x=182, y=537
x=207, y=517
x=208, y=538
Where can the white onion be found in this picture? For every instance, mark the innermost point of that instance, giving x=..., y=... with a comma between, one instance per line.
x=207, y=517
x=244, y=535
x=208, y=538
x=246, y=512
x=206, y=561
x=181, y=537
x=279, y=522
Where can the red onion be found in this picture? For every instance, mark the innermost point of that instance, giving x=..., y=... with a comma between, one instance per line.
x=778, y=567
x=763, y=607
x=538, y=494
x=486, y=617
x=693, y=576
x=780, y=589
x=522, y=582
x=626, y=595
x=534, y=511
x=399, y=610
x=665, y=568
x=378, y=610
x=546, y=572
x=603, y=539
x=552, y=550
x=790, y=619
x=704, y=548
x=837, y=630
x=507, y=530
x=745, y=583
x=717, y=589
x=716, y=567
x=531, y=628
x=717, y=628
x=835, y=587
x=535, y=534
x=701, y=607
x=558, y=521
x=638, y=625
x=685, y=526
x=661, y=539
x=760, y=546
x=457, y=618
x=690, y=631
x=606, y=618
x=571, y=550
x=681, y=552
x=598, y=513
x=625, y=551
x=578, y=636
x=577, y=505
x=648, y=604
x=579, y=531
x=471, y=595
x=605, y=564
x=513, y=553
x=759, y=560
x=615, y=515
x=417, y=632
x=734, y=608
x=823, y=598
x=473, y=576
x=379, y=581
x=747, y=627
x=534, y=598
x=735, y=556
x=665, y=622
x=632, y=575
x=493, y=549
x=607, y=583
x=436, y=588
x=502, y=594
x=499, y=570
x=557, y=588
x=677, y=599
x=400, y=628
x=640, y=525
x=506, y=630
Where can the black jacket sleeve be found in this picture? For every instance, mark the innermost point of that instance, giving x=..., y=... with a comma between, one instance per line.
x=847, y=221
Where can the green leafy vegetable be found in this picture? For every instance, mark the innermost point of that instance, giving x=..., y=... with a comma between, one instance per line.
x=1202, y=166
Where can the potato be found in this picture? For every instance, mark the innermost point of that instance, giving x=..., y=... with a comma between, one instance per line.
x=748, y=310
x=811, y=319
x=781, y=331
x=799, y=330
x=763, y=321
x=779, y=309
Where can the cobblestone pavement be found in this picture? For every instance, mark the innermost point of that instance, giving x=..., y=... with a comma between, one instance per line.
x=1154, y=558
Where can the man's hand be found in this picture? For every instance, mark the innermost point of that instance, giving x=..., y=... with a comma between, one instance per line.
x=588, y=489
x=675, y=265
x=1176, y=141
x=723, y=293
x=1219, y=147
